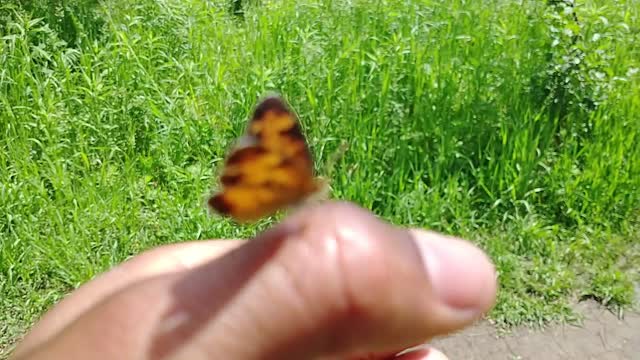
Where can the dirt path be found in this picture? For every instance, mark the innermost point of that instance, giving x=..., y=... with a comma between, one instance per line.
x=601, y=336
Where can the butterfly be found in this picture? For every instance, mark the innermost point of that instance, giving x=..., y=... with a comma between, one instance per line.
x=269, y=168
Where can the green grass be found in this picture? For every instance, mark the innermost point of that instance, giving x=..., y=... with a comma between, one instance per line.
x=509, y=123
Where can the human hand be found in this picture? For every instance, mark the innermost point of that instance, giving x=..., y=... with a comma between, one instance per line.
x=330, y=282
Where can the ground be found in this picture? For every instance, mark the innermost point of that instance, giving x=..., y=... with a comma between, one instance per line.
x=601, y=335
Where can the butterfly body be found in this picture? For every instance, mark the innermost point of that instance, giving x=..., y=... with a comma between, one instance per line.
x=269, y=168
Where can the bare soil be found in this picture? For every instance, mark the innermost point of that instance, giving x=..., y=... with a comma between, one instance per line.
x=601, y=335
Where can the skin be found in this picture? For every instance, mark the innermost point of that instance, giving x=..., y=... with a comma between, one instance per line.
x=330, y=282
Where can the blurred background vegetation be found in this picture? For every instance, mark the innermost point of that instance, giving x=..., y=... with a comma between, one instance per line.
x=514, y=124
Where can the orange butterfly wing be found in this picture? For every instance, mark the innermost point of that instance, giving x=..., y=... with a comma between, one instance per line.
x=270, y=167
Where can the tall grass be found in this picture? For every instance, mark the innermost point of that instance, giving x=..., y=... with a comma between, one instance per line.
x=514, y=124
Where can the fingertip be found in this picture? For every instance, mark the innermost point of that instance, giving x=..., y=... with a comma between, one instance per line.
x=423, y=353
x=462, y=275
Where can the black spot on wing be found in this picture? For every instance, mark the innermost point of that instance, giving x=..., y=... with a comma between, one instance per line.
x=294, y=133
x=220, y=204
x=271, y=103
x=287, y=163
x=246, y=154
x=230, y=180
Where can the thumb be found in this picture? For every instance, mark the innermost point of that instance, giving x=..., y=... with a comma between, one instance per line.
x=332, y=281
x=337, y=282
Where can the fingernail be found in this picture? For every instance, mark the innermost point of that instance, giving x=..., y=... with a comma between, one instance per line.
x=460, y=274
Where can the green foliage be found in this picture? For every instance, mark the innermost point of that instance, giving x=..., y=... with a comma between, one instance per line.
x=72, y=20
x=513, y=124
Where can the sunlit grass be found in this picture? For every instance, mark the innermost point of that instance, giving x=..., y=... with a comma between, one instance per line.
x=504, y=122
